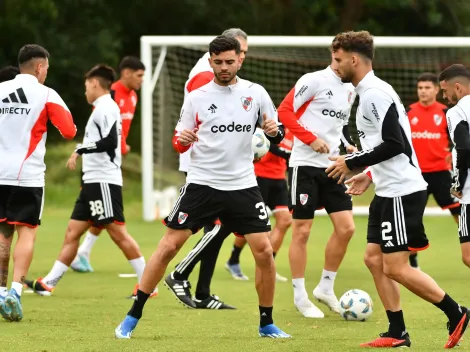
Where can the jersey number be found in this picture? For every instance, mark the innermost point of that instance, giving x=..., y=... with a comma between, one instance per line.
x=262, y=209
x=96, y=207
x=386, y=228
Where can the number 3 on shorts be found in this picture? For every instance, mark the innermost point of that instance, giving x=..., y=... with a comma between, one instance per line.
x=386, y=228
x=262, y=209
x=96, y=207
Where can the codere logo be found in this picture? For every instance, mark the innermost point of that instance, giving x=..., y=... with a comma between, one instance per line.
x=231, y=128
x=332, y=113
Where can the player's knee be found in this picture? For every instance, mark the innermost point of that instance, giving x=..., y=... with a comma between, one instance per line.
x=345, y=232
x=393, y=271
x=263, y=255
x=284, y=222
x=301, y=234
x=373, y=262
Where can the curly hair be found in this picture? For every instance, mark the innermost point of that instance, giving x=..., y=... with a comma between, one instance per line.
x=360, y=42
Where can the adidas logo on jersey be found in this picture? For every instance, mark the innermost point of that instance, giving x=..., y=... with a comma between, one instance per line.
x=212, y=108
x=330, y=94
x=18, y=97
x=389, y=244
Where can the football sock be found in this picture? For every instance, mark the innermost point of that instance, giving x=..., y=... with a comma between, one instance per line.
x=138, y=305
x=3, y=291
x=235, y=257
x=450, y=308
x=139, y=265
x=414, y=260
x=18, y=287
x=265, y=316
x=327, y=281
x=299, y=289
x=56, y=273
x=396, y=328
x=87, y=244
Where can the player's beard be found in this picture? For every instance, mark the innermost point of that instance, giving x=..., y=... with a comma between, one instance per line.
x=347, y=76
x=225, y=79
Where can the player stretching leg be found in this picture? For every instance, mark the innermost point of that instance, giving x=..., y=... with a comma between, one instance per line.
x=100, y=199
x=124, y=94
x=221, y=182
x=431, y=142
x=25, y=108
x=395, y=225
x=455, y=84
x=317, y=111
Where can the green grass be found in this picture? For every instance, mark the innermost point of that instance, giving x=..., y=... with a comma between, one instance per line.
x=85, y=308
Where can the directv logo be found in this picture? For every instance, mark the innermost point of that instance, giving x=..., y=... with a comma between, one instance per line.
x=15, y=111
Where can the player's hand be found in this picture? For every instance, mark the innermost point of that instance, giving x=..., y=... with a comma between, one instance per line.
x=255, y=160
x=187, y=137
x=269, y=127
x=320, y=146
x=448, y=159
x=351, y=149
x=358, y=184
x=338, y=170
x=457, y=194
x=72, y=162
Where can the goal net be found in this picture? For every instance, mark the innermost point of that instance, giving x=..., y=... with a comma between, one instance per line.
x=276, y=63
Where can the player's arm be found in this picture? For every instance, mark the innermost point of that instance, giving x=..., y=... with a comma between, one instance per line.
x=59, y=114
x=459, y=133
x=346, y=138
x=294, y=105
x=107, y=123
x=380, y=110
x=269, y=119
x=126, y=123
x=185, y=131
x=279, y=151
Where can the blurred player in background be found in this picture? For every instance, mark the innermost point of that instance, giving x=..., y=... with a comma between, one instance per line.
x=431, y=143
x=26, y=106
x=316, y=111
x=455, y=84
x=124, y=94
x=8, y=73
x=270, y=174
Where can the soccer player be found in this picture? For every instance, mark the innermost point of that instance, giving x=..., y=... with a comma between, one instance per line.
x=316, y=111
x=8, y=73
x=100, y=198
x=207, y=249
x=124, y=94
x=395, y=225
x=455, y=84
x=26, y=105
x=221, y=182
x=270, y=174
x=430, y=139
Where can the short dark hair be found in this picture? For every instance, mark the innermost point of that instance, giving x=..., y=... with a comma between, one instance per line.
x=454, y=71
x=131, y=62
x=428, y=77
x=104, y=73
x=223, y=43
x=31, y=51
x=360, y=42
x=7, y=73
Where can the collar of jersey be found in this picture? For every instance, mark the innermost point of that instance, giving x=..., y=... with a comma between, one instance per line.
x=103, y=97
x=362, y=85
x=228, y=88
x=26, y=76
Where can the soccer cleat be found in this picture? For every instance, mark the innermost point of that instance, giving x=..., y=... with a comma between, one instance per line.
x=39, y=287
x=329, y=300
x=236, y=271
x=181, y=290
x=4, y=310
x=456, y=332
x=384, y=340
x=126, y=328
x=280, y=278
x=212, y=302
x=81, y=264
x=136, y=287
x=308, y=309
x=273, y=332
x=13, y=306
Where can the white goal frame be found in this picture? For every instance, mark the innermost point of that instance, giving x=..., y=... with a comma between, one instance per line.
x=152, y=74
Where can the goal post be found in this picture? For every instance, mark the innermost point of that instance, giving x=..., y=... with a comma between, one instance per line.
x=276, y=62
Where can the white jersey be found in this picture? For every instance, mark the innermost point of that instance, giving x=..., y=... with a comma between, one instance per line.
x=455, y=115
x=222, y=157
x=25, y=108
x=385, y=133
x=201, y=66
x=319, y=105
x=104, y=166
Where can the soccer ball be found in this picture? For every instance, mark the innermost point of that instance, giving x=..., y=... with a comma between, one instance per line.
x=355, y=305
x=259, y=143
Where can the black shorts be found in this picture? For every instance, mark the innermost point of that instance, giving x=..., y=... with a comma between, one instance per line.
x=21, y=205
x=99, y=204
x=464, y=224
x=439, y=184
x=275, y=193
x=397, y=223
x=312, y=189
x=243, y=211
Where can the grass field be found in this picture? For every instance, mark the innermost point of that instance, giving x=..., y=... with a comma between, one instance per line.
x=85, y=308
